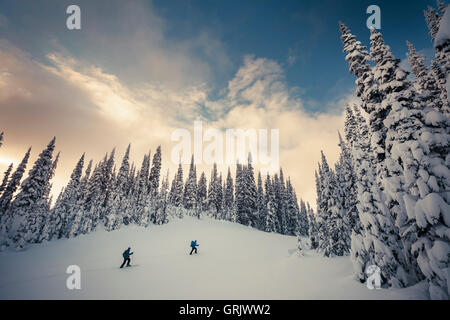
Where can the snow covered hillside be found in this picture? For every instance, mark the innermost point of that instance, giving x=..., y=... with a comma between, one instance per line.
x=234, y=262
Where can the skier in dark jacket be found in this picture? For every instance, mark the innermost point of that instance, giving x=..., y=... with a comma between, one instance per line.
x=194, y=246
x=126, y=257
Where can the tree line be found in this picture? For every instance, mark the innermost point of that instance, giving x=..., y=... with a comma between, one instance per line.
x=101, y=196
x=387, y=201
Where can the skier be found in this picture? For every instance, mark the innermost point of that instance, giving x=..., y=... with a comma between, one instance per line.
x=126, y=257
x=194, y=246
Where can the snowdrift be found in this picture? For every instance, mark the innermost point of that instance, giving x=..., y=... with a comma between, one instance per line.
x=234, y=262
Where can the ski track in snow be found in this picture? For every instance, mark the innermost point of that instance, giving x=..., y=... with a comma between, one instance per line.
x=233, y=262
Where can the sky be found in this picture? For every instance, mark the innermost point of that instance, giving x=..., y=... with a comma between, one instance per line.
x=138, y=71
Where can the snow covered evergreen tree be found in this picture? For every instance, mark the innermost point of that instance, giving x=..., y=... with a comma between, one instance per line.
x=153, y=187
x=276, y=189
x=190, y=189
x=214, y=204
x=78, y=210
x=376, y=242
x=272, y=208
x=114, y=219
x=296, y=221
x=229, y=197
x=322, y=209
x=25, y=226
x=346, y=187
x=239, y=194
x=219, y=200
x=176, y=194
x=432, y=18
x=120, y=210
x=350, y=127
x=356, y=132
x=414, y=148
x=368, y=89
x=282, y=204
x=45, y=219
x=141, y=194
x=312, y=230
x=161, y=213
x=261, y=206
x=5, y=179
x=202, y=197
x=418, y=67
x=64, y=213
x=250, y=194
x=442, y=8
x=11, y=188
x=372, y=86
x=416, y=190
x=442, y=41
x=333, y=227
x=302, y=227
x=386, y=73
x=441, y=82
x=246, y=194
x=155, y=172
x=357, y=58
x=426, y=82
x=131, y=184
x=93, y=199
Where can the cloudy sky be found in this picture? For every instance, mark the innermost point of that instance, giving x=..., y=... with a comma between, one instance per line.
x=139, y=70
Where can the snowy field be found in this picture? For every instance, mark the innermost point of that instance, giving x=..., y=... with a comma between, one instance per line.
x=234, y=262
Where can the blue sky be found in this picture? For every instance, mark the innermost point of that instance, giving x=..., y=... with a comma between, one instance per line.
x=302, y=36
x=305, y=30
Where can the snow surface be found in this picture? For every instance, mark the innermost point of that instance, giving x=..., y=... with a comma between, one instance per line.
x=234, y=262
x=443, y=34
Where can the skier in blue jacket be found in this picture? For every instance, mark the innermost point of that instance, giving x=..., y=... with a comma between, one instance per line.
x=126, y=257
x=194, y=246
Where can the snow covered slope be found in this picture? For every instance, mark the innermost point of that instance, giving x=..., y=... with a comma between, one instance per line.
x=234, y=262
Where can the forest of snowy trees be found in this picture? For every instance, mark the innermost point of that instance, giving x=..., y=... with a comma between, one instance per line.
x=387, y=201
x=106, y=197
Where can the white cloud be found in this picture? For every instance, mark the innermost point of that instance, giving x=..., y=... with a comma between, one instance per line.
x=130, y=39
x=91, y=110
x=261, y=99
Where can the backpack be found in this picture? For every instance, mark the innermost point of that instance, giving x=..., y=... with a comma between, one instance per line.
x=192, y=244
x=124, y=254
